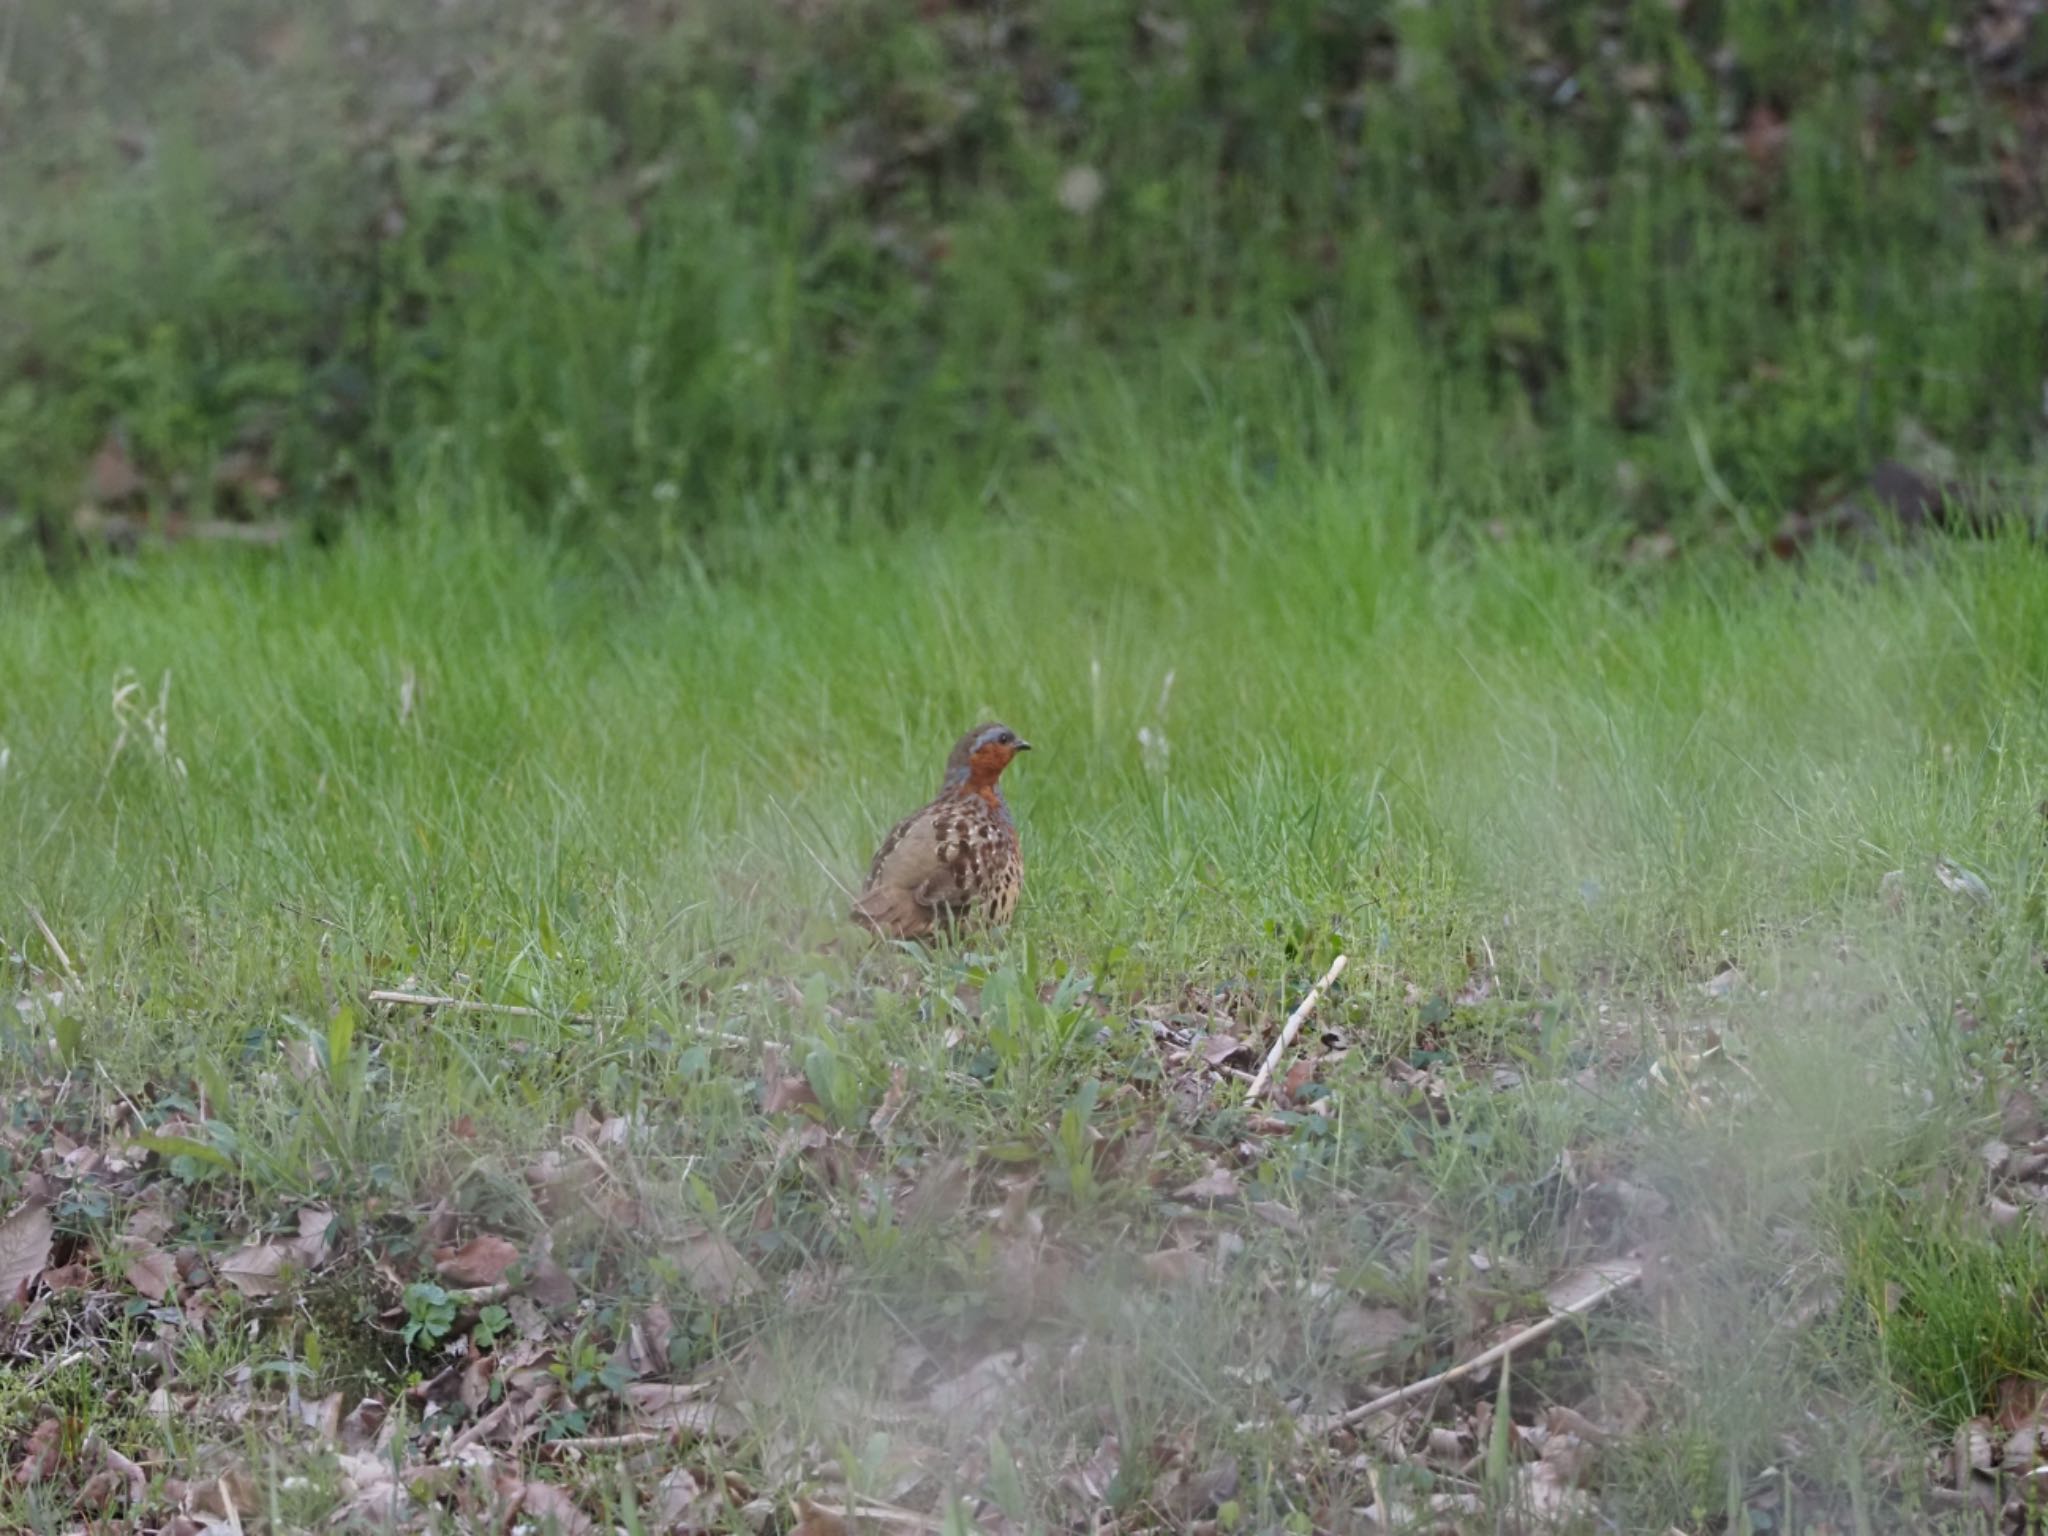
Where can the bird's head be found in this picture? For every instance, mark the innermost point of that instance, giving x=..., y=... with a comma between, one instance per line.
x=980, y=756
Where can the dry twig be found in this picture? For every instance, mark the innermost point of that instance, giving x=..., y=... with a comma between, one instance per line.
x=1294, y=1022
x=632, y=1440
x=471, y=1005
x=56, y=949
x=1607, y=1279
x=838, y=1503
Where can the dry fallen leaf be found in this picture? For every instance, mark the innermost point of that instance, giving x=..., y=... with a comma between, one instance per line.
x=369, y=1490
x=254, y=1270
x=1278, y=1215
x=24, y=1251
x=1219, y=1183
x=545, y=1502
x=941, y=1190
x=1171, y=1268
x=814, y=1521
x=1217, y=1049
x=716, y=1270
x=980, y=1389
x=1368, y=1337
x=782, y=1094
x=322, y=1415
x=550, y=1285
x=482, y=1260
x=118, y=1476
x=45, y=1450
x=682, y=1407
x=360, y=1429
x=1547, y=1498
x=680, y=1500
x=893, y=1101
x=311, y=1243
x=149, y=1224
x=146, y=1267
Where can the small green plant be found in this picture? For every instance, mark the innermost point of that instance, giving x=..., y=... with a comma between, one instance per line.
x=429, y=1314
x=844, y=1085
x=492, y=1324
x=340, y=1043
x=67, y=1033
x=1073, y=1146
x=587, y=1374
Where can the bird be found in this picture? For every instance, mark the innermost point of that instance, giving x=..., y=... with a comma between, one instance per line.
x=956, y=863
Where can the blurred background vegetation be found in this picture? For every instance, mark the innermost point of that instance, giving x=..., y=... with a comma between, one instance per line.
x=1351, y=439
x=643, y=271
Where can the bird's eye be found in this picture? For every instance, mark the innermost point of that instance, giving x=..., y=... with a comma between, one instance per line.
x=1009, y=738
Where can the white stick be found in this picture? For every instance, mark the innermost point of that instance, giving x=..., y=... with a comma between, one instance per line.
x=519, y=1010
x=470, y=1005
x=1612, y=1278
x=49, y=938
x=1294, y=1023
x=632, y=1440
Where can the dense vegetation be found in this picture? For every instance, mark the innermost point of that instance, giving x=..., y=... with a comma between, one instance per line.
x=1354, y=442
x=650, y=268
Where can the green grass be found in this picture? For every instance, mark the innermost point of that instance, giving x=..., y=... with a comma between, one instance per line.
x=659, y=529
x=644, y=799
x=641, y=276
x=1957, y=1310
x=1409, y=746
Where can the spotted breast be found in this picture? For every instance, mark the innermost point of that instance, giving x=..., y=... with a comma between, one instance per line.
x=956, y=863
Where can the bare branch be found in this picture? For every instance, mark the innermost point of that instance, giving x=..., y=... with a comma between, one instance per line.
x=1600, y=1282
x=1264, y=1077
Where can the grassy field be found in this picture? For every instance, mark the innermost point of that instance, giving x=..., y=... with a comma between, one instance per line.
x=1542, y=802
x=1348, y=441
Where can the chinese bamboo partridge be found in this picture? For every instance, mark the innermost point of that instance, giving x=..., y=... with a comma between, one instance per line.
x=955, y=864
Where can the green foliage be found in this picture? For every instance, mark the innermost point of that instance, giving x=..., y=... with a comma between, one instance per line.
x=744, y=406
x=650, y=276
x=641, y=799
x=492, y=1324
x=429, y=1314
x=1956, y=1311
x=1073, y=1146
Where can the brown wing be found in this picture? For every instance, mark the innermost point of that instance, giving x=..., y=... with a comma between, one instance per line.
x=909, y=856
x=939, y=864
x=894, y=840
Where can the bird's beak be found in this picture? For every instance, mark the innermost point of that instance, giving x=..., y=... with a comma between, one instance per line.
x=1023, y=745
